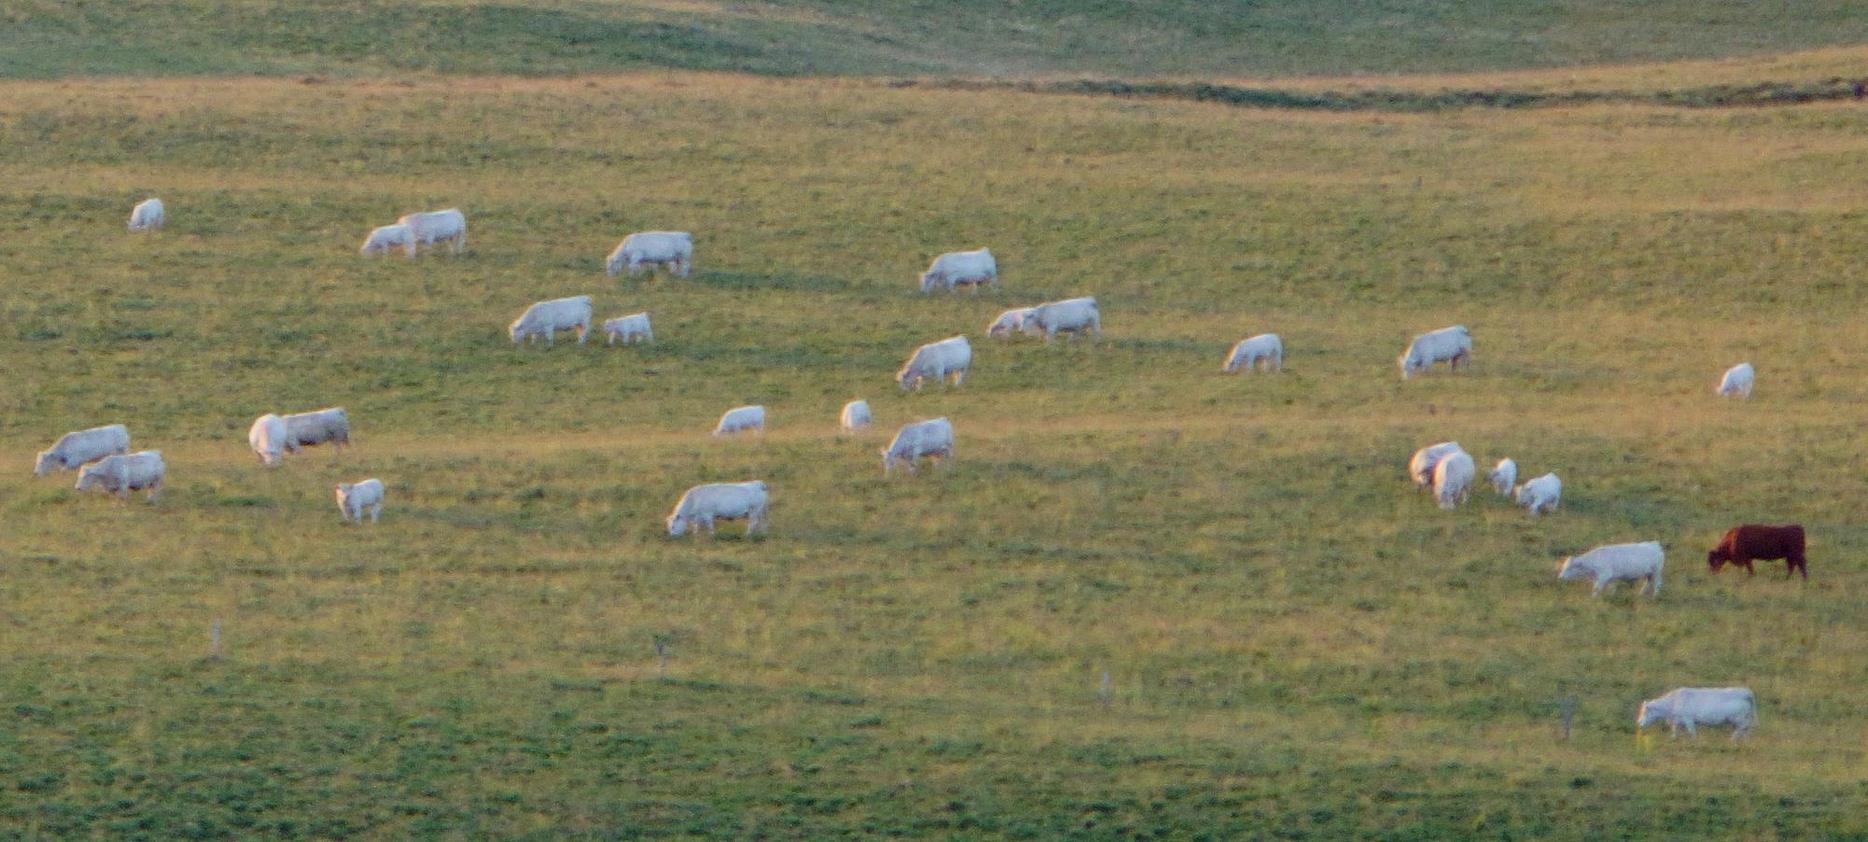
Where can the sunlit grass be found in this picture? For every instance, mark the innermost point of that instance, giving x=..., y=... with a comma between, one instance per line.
x=1297, y=641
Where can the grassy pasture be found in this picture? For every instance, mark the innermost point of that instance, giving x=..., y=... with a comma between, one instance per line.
x=1178, y=38
x=1298, y=644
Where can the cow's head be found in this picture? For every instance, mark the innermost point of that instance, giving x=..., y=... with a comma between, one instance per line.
x=49, y=461
x=1410, y=364
x=677, y=526
x=1568, y=569
x=88, y=479
x=929, y=280
x=1650, y=714
x=1716, y=558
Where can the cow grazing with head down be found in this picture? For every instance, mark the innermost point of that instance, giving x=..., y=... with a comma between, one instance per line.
x=1743, y=545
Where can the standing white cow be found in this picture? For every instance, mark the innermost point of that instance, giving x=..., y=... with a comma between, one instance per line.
x=1009, y=322
x=1540, y=495
x=630, y=328
x=427, y=228
x=269, y=439
x=1074, y=315
x=1503, y=477
x=960, y=268
x=309, y=429
x=1427, y=458
x=1690, y=707
x=704, y=504
x=855, y=416
x=546, y=318
x=740, y=419
x=936, y=360
x=147, y=215
x=1450, y=345
x=1452, y=479
x=386, y=237
x=1613, y=563
x=1737, y=381
x=353, y=499
x=673, y=250
x=76, y=448
x=932, y=438
x=1264, y=348
x=123, y=473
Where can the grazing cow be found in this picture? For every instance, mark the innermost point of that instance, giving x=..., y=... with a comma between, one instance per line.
x=1073, y=315
x=1691, y=707
x=1737, y=381
x=386, y=237
x=630, y=328
x=1427, y=458
x=704, y=504
x=1541, y=495
x=855, y=416
x=740, y=419
x=1246, y=356
x=309, y=429
x=76, y=448
x=1452, y=479
x=1009, y=322
x=1743, y=545
x=427, y=228
x=1503, y=477
x=1613, y=563
x=147, y=215
x=960, y=268
x=269, y=439
x=123, y=473
x=1450, y=345
x=353, y=499
x=673, y=250
x=546, y=318
x=936, y=360
x=932, y=438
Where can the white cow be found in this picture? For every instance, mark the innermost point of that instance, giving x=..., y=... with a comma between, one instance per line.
x=1737, y=381
x=1691, y=707
x=123, y=473
x=353, y=499
x=74, y=449
x=1009, y=322
x=1540, y=495
x=1427, y=458
x=936, y=360
x=958, y=268
x=1503, y=477
x=671, y=249
x=630, y=328
x=269, y=439
x=1613, y=563
x=1452, y=479
x=1264, y=348
x=386, y=237
x=740, y=419
x=1074, y=315
x=932, y=438
x=855, y=416
x=310, y=429
x=147, y=215
x=430, y=227
x=704, y=504
x=1450, y=345
x=546, y=318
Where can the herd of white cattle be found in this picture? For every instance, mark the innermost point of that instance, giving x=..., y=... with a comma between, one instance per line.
x=104, y=461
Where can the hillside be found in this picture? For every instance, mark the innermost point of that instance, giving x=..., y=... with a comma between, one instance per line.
x=1119, y=38
x=1297, y=642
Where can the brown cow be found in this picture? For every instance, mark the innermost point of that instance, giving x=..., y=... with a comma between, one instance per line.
x=1752, y=542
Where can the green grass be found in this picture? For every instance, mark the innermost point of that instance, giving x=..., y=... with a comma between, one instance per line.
x=1182, y=38
x=1298, y=643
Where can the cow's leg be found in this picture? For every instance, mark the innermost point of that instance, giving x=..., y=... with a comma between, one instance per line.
x=583, y=330
x=1600, y=584
x=1692, y=730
